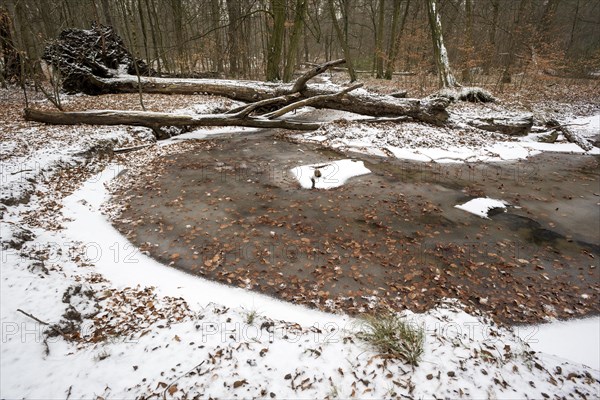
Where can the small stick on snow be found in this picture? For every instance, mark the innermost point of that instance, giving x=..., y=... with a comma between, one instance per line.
x=52, y=326
x=178, y=378
x=132, y=148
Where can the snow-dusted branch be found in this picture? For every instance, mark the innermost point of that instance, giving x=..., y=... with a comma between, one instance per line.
x=310, y=101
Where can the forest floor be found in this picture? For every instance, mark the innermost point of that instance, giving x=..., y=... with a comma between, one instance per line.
x=126, y=325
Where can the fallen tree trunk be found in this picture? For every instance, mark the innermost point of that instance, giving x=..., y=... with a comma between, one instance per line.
x=427, y=110
x=156, y=120
x=90, y=61
x=513, y=125
x=570, y=135
x=162, y=123
x=285, y=98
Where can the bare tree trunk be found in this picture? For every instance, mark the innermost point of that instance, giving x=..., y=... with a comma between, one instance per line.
x=492, y=36
x=153, y=33
x=11, y=58
x=143, y=29
x=233, y=12
x=342, y=40
x=395, y=39
x=446, y=78
x=379, y=28
x=217, y=51
x=466, y=73
x=290, y=59
x=107, y=15
x=275, y=44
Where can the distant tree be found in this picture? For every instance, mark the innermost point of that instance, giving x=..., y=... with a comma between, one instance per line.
x=379, y=35
x=10, y=56
x=292, y=51
x=342, y=36
x=275, y=44
x=395, y=36
x=446, y=78
x=233, y=35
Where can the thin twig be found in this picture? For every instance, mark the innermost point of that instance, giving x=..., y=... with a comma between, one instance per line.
x=52, y=326
x=32, y=317
x=180, y=376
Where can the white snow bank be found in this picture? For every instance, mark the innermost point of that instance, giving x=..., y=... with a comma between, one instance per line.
x=423, y=142
x=133, y=268
x=577, y=340
x=50, y=151
x=481, y=206
x=328, y=175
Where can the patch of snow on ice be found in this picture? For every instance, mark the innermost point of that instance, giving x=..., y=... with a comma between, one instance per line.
x=328, y=175
x=481, y=206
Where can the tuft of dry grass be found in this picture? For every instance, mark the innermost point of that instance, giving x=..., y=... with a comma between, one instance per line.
x=394, y=336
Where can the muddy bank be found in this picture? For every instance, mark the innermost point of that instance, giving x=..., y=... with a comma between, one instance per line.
x=232, y=212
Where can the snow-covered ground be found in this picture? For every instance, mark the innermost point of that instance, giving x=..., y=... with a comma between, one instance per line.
x=422, y=142
x=577, y=340
x=124, y=326
x=196, y=337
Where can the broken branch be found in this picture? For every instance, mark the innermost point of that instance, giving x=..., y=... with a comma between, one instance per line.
x=300, y=83
x=51, y=326
x=310, y=101
x=246, y=110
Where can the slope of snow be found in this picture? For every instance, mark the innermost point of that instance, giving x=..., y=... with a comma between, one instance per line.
x=18, y=174
x=577, y=340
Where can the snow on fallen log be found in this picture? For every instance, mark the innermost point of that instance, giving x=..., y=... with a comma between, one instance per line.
x=514, y=125
x=570, y=135
x=431, y=110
